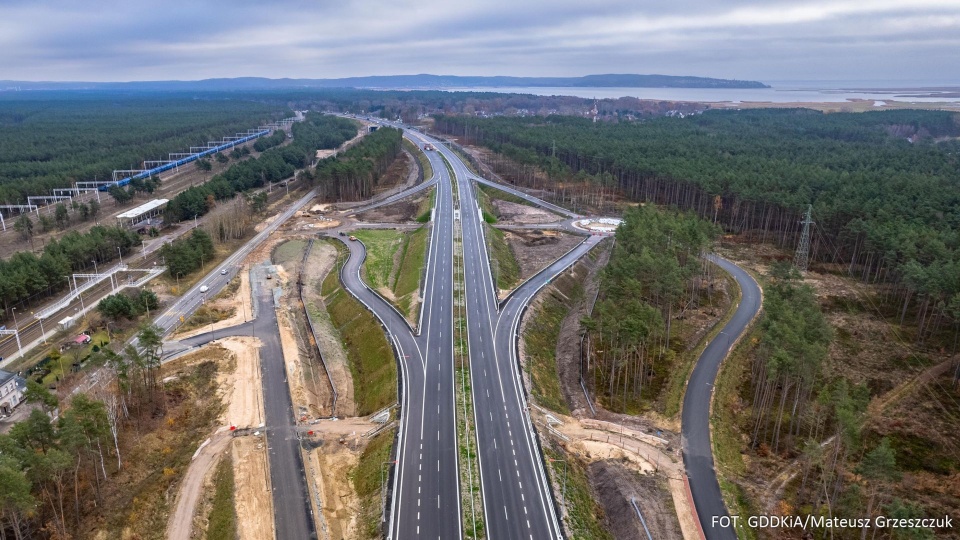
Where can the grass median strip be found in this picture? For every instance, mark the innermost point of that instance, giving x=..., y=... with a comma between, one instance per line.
x=471, y=494
x=394, y=266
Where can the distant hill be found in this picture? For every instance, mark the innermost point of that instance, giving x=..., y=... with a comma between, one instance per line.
x=422, y=81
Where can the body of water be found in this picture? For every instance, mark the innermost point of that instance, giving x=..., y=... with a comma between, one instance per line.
x=783, y=92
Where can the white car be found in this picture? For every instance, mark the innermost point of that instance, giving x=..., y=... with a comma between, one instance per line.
x=204, y=289
x=223, y=272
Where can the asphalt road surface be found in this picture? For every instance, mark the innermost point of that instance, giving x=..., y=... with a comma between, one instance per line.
x=517, y=498
x=425, y=499
x=292, y=514
x=695, y=420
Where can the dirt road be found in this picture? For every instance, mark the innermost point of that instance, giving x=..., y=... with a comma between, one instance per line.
x=180, y=524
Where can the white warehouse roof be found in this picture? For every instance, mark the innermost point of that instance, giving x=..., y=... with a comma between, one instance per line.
x=143, y=209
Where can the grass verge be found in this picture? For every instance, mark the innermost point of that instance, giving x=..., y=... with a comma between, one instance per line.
x=412, y=262
x=725, y=436
x=205, y=315
x=506, y=269
x=541, y=335
x=381, y=245
x=583, y=516
x=673, y=396
x=222, y=523
x=421, y=157
x=370, y=356
x=366, y=477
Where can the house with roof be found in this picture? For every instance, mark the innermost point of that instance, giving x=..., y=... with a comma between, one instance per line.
x=12, y=390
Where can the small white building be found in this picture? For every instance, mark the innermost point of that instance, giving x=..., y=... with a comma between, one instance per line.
x=142, y=214
x=12, y=389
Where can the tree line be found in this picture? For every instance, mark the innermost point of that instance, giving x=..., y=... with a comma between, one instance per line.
x=276, y=139
x=50, y=140
x=61, y=218
x=885, y=186
x=26, y=276
x=275, y=164
x=53, y=472
x=185, y=255
x=655, y=270
x=355, y=173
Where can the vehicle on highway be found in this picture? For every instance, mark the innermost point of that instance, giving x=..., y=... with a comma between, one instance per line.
x=223, y=272
x=204, y=289
x=353, y=238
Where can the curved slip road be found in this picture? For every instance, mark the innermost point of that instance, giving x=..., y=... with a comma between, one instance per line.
x=695, y=419
x=425, y=497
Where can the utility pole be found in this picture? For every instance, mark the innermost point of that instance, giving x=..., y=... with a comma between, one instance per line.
x=802, y=258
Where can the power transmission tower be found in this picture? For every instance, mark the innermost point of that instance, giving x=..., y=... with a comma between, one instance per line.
x=802, y=257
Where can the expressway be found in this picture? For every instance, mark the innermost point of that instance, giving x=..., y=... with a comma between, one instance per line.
x=517, y=498
x=518, y=502
x=425, y=499
x=695, y=419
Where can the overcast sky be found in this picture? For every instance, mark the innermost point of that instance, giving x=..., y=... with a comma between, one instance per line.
x=114, y=40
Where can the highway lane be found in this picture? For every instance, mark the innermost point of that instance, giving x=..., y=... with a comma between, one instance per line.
x=425, y=498
x=695, y=419
x=517, y=500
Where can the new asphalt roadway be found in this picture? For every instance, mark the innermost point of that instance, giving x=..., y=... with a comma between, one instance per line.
x=291, y=502
x=517, y=498
x=425, y=499
x=695, y=419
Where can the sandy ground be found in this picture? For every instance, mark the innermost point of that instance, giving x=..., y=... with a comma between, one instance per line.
x=252, y=496
x=337, y=445
x=239, y=382
x=181, y=522
x=319, y=263
x=594, y=440
x=303, y=390
x=243, y=390
x=520, y=214
x=535, y=249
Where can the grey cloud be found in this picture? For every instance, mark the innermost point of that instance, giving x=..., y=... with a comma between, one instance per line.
x=780, y=39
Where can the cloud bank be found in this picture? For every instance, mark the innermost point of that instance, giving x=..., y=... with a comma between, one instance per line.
x=110, y=40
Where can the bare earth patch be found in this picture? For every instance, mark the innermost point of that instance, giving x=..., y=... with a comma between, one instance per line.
x=252, y=499
x=320, y=262
x=534, y=249
x=511, y=213
x=337, y=445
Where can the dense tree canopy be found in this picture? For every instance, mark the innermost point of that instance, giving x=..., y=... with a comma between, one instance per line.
x=274, y=164
x=49, y=140
x=26, y=274
x=885, y=186
x=354, y=174
x=652, y=272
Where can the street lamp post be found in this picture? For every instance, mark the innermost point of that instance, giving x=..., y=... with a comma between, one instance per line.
x=120, y=253
x=15, y=323
x=95, y=270
x=42, y=333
